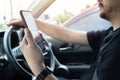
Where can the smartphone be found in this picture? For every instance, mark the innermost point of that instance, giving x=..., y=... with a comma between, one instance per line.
x=30, y=23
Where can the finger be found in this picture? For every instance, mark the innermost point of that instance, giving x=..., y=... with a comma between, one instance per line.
x=29, y=37
x=24, y=41
x=15, y=22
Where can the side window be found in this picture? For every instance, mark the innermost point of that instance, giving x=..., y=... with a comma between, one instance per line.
x=89, y=21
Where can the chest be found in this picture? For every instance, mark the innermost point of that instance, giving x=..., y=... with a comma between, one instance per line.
x=109, y=51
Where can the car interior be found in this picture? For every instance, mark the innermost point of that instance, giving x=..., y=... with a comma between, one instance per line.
x=65, y=60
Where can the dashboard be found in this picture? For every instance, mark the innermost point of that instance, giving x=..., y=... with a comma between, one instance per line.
x=3, y=59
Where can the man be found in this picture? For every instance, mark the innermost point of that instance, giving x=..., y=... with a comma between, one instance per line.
x=104, y=43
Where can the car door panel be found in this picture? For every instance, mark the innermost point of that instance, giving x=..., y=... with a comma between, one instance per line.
x=77, y=58
x=78, y=54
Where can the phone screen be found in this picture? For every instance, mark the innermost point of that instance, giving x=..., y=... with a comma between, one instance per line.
x=29, y=22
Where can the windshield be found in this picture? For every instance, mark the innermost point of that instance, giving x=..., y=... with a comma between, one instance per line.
x=62, y=10
x=57, y=13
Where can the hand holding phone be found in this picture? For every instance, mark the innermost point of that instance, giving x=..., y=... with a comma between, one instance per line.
x=30, y=23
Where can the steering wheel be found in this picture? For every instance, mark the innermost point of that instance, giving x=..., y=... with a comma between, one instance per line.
x=15, y=55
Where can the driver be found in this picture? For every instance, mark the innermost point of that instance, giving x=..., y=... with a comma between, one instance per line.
x=104, y=43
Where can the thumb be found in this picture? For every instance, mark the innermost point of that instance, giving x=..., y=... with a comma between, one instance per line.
x=29, y=37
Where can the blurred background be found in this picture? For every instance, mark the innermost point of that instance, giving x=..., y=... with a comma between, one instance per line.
x=59, y=12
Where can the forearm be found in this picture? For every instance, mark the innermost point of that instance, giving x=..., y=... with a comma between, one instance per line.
x=64, y=34
x=55, y=31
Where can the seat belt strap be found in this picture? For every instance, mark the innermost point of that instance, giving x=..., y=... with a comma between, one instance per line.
x=95, y=77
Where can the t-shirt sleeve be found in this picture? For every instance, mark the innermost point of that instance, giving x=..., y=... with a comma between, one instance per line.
x=94, y=39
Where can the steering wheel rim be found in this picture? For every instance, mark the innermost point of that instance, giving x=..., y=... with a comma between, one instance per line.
x=9, y=52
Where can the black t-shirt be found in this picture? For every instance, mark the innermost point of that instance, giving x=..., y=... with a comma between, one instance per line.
x=107, y=46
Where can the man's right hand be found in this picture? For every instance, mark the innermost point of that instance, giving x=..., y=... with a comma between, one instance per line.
x=32, y=53
x=17, y=23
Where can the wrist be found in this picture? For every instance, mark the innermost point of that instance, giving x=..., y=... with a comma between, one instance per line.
x=39, y=70
x=42, y=75
x=36, y=68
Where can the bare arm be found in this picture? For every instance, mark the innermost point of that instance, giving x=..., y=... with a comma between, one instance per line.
x=58, y=32
x=62, y=33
